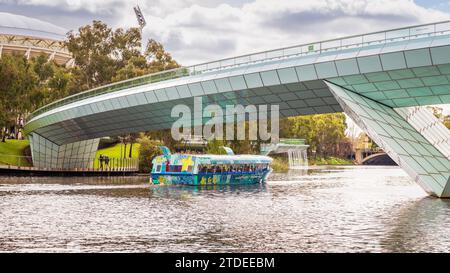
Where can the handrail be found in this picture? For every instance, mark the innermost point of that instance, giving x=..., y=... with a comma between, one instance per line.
x=360, y=40
x=112, y=164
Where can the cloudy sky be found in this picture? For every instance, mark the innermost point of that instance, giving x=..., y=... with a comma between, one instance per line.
x=202, y=30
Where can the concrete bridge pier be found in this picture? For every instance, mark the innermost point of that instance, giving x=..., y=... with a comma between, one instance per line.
x=413, y=137
x=50, y=155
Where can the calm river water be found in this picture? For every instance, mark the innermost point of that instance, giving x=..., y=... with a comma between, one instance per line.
x=356, y=209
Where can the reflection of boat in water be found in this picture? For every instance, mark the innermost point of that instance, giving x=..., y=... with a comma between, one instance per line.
x=189, y=169
x=187, y=191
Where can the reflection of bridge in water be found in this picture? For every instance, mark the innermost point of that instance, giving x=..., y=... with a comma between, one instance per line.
x=379, y=79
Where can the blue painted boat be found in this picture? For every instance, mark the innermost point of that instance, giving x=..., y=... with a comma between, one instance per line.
x=208, y=169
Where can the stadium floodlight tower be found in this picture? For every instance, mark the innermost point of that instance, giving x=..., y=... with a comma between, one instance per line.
x=140, y=17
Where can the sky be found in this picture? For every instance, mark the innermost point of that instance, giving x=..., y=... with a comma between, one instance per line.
x=196, y=31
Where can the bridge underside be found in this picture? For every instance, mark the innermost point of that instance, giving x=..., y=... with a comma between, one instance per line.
x=380, y=87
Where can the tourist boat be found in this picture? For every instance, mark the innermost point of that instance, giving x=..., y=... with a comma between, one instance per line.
x=208, y=169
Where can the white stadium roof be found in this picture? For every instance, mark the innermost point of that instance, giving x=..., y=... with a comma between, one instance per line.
x=32, y=37
x=26, y=26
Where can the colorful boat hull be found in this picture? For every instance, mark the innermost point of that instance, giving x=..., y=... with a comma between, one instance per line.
x=210, y=179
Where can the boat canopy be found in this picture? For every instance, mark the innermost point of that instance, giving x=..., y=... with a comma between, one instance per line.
x=229, y=158
x=232, y=159
x=180, y=159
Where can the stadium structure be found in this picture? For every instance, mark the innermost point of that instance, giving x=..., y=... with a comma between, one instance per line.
x=32, y=37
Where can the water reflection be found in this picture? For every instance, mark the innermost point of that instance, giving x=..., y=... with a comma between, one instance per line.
x=323, y=209
x=184, y=191
x=418, y=226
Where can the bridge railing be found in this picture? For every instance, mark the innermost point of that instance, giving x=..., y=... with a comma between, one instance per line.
x=67, y=164
x=355, y=41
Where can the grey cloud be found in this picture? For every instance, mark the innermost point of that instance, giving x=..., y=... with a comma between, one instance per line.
x=307, y=20
x=198, y=50
x=200, y=21
x=69, y=19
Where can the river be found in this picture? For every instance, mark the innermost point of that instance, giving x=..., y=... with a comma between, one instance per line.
x=330, y=209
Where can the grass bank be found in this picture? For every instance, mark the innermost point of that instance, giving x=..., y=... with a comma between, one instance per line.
x=280, y=164
x=116, y=151
x=11, y=152
x=330, y=161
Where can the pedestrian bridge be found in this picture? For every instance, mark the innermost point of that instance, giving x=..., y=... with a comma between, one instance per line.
x=379, y=79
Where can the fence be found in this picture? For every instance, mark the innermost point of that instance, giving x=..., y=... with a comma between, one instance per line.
x=114, y=164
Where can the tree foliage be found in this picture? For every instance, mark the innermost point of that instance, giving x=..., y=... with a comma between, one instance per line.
x=215, y=147
x=100, y=52
x=324, y=132
x=147, y=151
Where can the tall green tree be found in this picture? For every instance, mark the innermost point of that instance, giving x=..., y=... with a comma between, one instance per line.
x=100, y=52
x=323, y=132
x=18, y=84
x=159, y=59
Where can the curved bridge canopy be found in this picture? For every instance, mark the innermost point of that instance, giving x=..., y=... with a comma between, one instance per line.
x=398, y=68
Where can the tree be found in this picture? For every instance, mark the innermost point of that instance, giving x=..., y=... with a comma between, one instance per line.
x=324, y=132
x=147, y=151
x=136, y=67
x=164, y=136
x=158, y=58
x=100, y=52
x=214, y=146
x=18, y=83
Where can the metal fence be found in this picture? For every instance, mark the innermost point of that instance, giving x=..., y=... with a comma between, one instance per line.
x=355, y=41
x=114, y=164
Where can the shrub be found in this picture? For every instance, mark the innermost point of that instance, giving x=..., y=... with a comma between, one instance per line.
x=279, y=165
x=147, y=151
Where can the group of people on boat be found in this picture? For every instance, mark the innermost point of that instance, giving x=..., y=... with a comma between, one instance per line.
x=232, y=168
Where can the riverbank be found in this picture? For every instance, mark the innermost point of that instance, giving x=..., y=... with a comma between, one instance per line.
x=280, y=164
x=331, y=160
x=32, y=172
x=12, y=149
x=12, y=152
x=117, y=151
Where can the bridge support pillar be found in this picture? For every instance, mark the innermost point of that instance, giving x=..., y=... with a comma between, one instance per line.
x=49, y=155
x=416, y=140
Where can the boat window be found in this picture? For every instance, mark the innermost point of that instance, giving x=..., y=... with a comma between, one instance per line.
x=175, y=168
x=158, y=168
x=223, y=168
